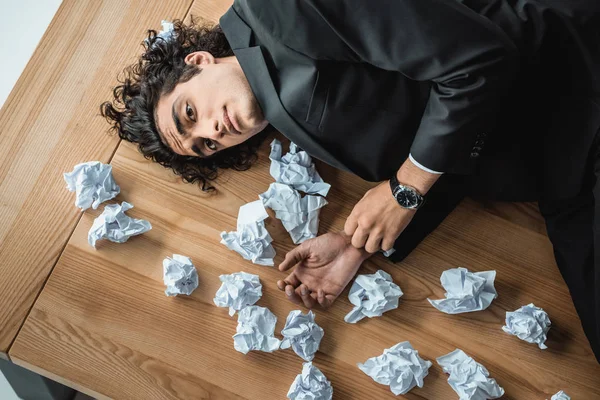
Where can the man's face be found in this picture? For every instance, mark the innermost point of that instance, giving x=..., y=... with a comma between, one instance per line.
x=214, y=110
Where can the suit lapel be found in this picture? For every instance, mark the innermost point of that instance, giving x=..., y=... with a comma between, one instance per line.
x=255, y=68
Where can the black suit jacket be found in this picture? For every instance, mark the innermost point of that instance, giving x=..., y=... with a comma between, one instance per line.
x=360, y=84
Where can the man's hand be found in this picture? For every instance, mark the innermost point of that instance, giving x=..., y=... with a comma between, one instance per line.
x=324, y=266
x=377, y=219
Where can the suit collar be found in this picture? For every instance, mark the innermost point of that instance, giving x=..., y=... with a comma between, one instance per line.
x=253, y=64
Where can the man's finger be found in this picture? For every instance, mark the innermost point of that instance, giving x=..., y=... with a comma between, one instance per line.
x=291, y=295
x=387, y=245
x=373, y=243
x=324, y=300
x=350, y=225
x=293, y=280
x=304, y=294
x=280, y=285
x=293, y=257
x=359, y=238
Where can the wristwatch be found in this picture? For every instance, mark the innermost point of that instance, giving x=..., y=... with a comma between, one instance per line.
x=406, y=196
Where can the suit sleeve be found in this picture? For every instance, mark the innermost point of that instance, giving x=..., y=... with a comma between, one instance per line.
x=469, y=61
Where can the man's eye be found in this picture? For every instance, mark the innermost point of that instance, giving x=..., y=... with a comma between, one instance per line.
x=189, y=112
x=210, y=144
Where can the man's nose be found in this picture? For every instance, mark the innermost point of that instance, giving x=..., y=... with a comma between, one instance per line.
x=215, y=129
x=210, y=129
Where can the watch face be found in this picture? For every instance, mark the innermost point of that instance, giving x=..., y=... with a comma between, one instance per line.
x=407, y=198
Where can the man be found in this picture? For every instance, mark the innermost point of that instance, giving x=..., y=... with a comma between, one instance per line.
x=438, y=99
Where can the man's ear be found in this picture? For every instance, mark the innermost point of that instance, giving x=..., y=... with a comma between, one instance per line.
x=199, y=58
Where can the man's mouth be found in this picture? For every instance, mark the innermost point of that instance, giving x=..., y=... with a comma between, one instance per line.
x=229, y=122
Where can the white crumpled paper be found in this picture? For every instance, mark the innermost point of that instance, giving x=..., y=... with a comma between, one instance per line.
x=115, y=226
x=256, y=326
x=93, y=183
x=251, y=240
x=179, y=275
x=528, y=323
x=389, y=252
x=560, y=396
x=372, y=295
x=310, y=385
x=302, y=334
x=237, y=291
x=166, y=33
x=296, y=169
x=299, y=215
x=469, y=379
x=167, y=30
x=466, y=291
x=400, y=367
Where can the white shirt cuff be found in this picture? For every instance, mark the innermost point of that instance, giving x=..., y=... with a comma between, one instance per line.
x=423, y=167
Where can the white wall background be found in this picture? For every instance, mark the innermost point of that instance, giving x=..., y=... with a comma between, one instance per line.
x=22, y=24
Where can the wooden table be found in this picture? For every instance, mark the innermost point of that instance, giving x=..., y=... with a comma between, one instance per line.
x=48, y=124
x=103, y=325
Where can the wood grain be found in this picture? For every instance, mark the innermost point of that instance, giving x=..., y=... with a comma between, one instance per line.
x=51, y=122
x=208, y=10
x=104, y=323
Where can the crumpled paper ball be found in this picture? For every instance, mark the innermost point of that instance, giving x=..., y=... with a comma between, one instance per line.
x=310, y=385
x=179, y=275
x=466, y=291
x=469, y=379
x=400, y=367
x=528, y=323
x=302, y=334
x=560, y=396
x=93, y=184
x=251, y=240
x=372, y=295
x=237, y=291
x=296, y=169
x=115, y=226
x=299, y=215
x=255, y=330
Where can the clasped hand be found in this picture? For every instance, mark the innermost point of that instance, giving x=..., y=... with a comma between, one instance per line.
x=377, y=220
x=323, y=267
x=326, y=264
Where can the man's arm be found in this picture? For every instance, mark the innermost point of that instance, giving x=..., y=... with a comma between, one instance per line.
x=412, y=175
x=468, y=60
x=377, y=219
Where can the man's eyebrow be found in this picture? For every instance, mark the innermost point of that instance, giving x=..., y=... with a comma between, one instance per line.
x=163, y=138
x=195, y=148
x=176, y=120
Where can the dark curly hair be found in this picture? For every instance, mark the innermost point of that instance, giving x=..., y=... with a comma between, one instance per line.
x=156, y=73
